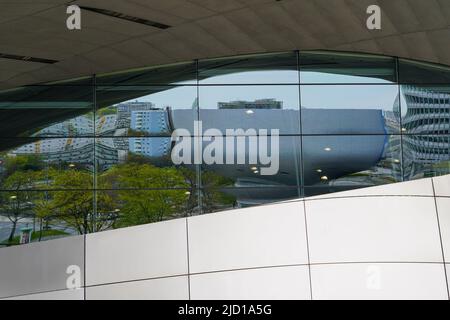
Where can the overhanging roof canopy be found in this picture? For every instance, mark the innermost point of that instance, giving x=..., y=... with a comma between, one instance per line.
x=37, y=47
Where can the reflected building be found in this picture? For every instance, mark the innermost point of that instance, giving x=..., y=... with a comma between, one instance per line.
x=426, y=121
x=114, y=155
x=345, y=127
x=257, y=104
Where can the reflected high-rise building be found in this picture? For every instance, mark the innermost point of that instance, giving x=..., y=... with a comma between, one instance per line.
x=426, y=124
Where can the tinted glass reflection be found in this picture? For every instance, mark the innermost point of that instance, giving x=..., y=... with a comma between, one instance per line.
x=356, y=127
x=57, y=163
x=350, y=109
x=352, y=161
x=417, y=72
x=250, y=107
x=140, y=163
x=61, y=111
x=426, y=155
x=33, y=216
x=425, y=109
x=227, y=198
x=182, y=73
x=332, y=67
x=125, y=208
x=152, y=111
x=258, y=162
x=250, y=69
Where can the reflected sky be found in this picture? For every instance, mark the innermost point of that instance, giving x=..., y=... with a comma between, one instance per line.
x=363, y=97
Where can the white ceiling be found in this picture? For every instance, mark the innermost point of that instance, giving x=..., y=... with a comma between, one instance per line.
x=418, y=29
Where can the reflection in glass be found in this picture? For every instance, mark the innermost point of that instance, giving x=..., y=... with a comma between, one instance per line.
x=140, y=163
x=250, y=107
x=353, y=161
x=57, y=163
x=181, y=73
x=356, y=128
x=332, y=67
x=350, y=109
x=33, y=216
x=425, y=109
x=153, y=111
x=265, y=162
x=134, y=207
x=61, y=111
x=426, y=155
x=226, y=198
x=417, y=72
x=250, y=69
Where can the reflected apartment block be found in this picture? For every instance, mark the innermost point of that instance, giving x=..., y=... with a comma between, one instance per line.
x=426, y=121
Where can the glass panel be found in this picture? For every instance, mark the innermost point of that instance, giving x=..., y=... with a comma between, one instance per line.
x=252, y=161
x=426, y=156
x=34, y=216
x=250, y=107
x=416, y=72
x=250, y=69
x=57, y=163
x=140, y=163
x=87, y=81
x=351, y=161
x=126, y=208
x=145, y=111
x=425, y=109
x=335, y=67
x=183, y=73
x=350, y=109
x=220, y=199
x=46, y=111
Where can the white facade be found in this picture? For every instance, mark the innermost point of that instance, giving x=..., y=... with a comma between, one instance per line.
x=385, y=242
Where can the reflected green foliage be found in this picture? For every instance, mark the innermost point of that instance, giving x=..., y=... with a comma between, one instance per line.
x=142, y=176
x=147, y=206
x=16, y=206
x=132, y=193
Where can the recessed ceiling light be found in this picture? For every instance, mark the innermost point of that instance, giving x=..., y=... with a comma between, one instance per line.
x=324, y=178
x=319, y=170
x=327, y=149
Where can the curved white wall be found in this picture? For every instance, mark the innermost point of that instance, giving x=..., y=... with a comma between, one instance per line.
x=387, y=242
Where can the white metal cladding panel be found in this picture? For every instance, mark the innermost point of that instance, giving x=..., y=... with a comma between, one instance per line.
x=379, y=281
x=442, y=186
x=443, y=206
x=172, y=288
x=373, y=229
x=76, y=294
x=142, y=252
x=422, y=187
x=40, y=266
x=257, y=284
x=270, y=235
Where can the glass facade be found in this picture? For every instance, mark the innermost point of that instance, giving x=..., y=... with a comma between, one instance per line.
x=153, y=144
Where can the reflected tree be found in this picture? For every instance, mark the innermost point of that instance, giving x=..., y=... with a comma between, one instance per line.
x=17, y=204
